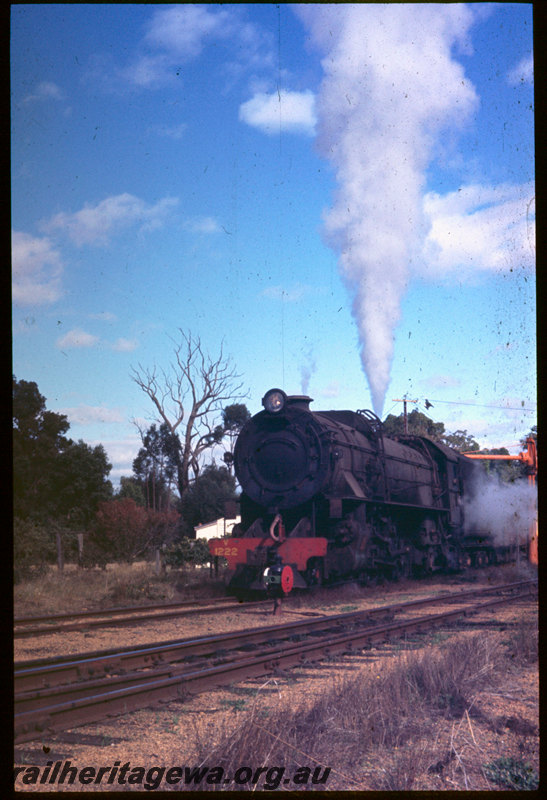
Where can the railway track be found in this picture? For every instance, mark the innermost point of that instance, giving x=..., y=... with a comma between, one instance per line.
x=60, y=623
x=59, y=693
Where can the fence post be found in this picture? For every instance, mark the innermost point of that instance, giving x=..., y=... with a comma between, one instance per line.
x=80, y=549
x=60, y=554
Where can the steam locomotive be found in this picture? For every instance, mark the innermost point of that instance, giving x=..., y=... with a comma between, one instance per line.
x=327, y=497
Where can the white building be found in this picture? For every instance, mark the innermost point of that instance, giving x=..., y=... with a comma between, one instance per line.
x=217, y=529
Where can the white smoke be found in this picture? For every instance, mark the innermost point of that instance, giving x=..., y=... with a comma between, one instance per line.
x=307, y=368
x=506, y=511
x=391, y=87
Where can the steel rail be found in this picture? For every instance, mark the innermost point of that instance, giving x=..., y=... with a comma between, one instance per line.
x=116, y=610
x=30, y=723
x=214, y=606
x=41, y=682
x=129, y=620
x=43, y=673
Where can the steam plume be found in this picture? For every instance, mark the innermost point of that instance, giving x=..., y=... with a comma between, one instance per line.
x=506, y=511
x=307, y=368
x=390, y=87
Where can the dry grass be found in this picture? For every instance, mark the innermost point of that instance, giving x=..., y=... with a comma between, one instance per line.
x=382, y=722
x=118, y=585
x=127, y=584
x=523, y=643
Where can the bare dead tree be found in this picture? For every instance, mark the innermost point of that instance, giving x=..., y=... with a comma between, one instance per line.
x=188, y=397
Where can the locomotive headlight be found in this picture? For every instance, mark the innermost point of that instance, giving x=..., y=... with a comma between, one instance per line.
x=274, y=401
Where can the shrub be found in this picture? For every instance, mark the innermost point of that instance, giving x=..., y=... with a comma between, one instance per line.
x=523, y=644
x=187, y=551
x=125, y=531
x=512, y=774
x=33, y=549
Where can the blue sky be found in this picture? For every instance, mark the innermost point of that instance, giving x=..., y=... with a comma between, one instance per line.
x=343, y=195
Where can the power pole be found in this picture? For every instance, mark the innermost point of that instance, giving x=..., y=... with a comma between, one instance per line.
x=404, y=401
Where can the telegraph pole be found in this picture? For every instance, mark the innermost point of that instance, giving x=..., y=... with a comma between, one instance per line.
x=404, y=401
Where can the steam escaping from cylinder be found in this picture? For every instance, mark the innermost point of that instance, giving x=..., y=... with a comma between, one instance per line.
x=390, y=87
x=505, y=511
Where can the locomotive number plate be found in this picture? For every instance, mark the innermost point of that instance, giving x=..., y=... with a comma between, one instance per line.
x=225, y=551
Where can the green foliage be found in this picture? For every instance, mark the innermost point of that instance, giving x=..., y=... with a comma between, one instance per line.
x=33, y=549
x=155, y=466
x=38, y=439
x=234, y=418
x=214, y=437
x=54, y=477
x=130, y=487
x=78, y=484
x=31, y=421
x=187, y=551
x=235, y=705
x=512, y=774
x=418, y=425
x=461, y=441
x=205, y=499
x=35, y=546
x=421, y=425
x=533, y=434
x=507, y=471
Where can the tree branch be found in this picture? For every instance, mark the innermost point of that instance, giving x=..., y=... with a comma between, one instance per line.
x=189, y=396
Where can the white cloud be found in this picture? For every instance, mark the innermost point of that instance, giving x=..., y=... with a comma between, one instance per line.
x=148, y=71
x=179, y=33
x=183, y=29
x=36, y=270
x=202, y=225
x=523, y=72
x=89, y=415
x=76, y=338
x=45, y=91
x=95, y=224
x=477, y=230
x=280, y=111
x=125, y=345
